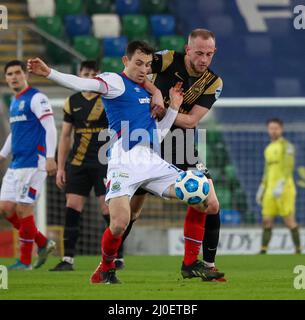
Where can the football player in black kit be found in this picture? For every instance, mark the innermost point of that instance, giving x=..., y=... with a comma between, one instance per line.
x=201, y=88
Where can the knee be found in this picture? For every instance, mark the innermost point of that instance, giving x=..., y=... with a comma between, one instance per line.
x=291, y=225
x=213, y=207
x=74, y=205
x=267, y=224
x=118, y=226
x=6, y=209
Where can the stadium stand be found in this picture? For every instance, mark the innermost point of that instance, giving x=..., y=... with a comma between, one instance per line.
x=39, y=8
x=106, y=25
x=127, y=6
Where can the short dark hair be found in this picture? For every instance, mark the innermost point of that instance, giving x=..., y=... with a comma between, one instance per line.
x=138, y=45
x=15, y=63
x=275, y=120
x=89, y=64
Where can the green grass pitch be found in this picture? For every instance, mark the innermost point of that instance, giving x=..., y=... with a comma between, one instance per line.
x=158, y=278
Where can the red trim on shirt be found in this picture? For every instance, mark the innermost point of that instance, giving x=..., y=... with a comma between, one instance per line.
x=22, y=92
x=103, y=81
x=41, y=148
x=45, y=115
x=140, y=84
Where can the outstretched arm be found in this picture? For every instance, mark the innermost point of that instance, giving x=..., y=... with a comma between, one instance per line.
x=40, y=68
x=7, y=148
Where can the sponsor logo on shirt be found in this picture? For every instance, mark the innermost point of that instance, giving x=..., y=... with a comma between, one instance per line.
x=144, y=100
x=18, y=118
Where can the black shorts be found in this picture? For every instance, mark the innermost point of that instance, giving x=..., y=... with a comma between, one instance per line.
x=183, y=167
x=81, y=179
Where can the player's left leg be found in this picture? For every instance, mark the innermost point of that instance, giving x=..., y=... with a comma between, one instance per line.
x=164, y=186
x=212, y=229
x=294, y=230
x=287, y=202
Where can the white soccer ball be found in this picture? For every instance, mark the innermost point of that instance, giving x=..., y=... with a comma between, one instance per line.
x=192, y=187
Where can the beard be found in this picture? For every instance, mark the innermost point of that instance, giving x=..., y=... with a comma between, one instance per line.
x=196, y=70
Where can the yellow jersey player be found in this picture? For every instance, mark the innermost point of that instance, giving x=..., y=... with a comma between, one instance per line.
x=277, y=191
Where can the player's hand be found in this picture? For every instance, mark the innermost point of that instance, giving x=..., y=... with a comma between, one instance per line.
x=158, y=110
x=277, y=191
x=176, y=96
x=51, y=166
x=61, y=179
x=260, y=194
x=38, y=67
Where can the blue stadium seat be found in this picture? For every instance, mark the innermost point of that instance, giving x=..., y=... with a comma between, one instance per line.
x=287, y=87
x=230, y=217
x=222, y=25
x=162, y=25
x=279, y=27
x=127, y=6
x=259, y=46
x=211, y=7
x=114, y=47
x=77, y=25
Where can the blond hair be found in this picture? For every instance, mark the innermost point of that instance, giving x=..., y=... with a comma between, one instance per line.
x=202, y=33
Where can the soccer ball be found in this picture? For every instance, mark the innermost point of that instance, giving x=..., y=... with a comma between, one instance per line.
x=192, y=187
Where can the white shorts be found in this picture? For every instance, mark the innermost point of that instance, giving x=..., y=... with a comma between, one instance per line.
x=139, y=167
x=22, y=185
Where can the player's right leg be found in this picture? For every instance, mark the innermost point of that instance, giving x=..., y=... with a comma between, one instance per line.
x=119, y=209
x=269, y=211
x=267, y=233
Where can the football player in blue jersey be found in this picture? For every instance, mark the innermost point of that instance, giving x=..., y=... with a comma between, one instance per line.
x=133, y=159
x=32, y=144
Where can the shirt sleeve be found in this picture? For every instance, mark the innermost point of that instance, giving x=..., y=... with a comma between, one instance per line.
x=211, y=94
x=41, y=106
x=51, y=135
x=77, y=83
x=166, y=123
x=68, y=117
x=288, y=159
x=114, y=82
x=162, y=60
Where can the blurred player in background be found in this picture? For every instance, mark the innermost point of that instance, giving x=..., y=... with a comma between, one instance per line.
x=32, y=143
x=202, y=88
x=277, y=191
x=133, y=162
x=85, y=115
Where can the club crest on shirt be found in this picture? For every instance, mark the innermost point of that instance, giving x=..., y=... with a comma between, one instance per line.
x=197, y=88
x=21, y=105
